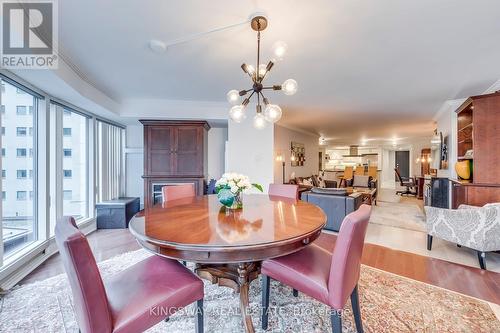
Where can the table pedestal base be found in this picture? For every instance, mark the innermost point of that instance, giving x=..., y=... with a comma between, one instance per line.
x=236, y=277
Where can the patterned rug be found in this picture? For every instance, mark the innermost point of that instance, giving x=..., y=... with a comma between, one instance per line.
x=389, y=303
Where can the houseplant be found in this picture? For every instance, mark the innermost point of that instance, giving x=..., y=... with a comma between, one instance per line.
x=230, y=187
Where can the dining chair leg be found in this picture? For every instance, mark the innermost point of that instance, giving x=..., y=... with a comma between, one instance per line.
x=265, y=300
x=295, y=292
x=336, y=321
x=482, y=259
x=429, y=242
x=184, y=263
x=199, y=316
x=356, y=309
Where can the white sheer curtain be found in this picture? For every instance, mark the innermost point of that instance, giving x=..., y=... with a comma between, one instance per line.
x=110, y=162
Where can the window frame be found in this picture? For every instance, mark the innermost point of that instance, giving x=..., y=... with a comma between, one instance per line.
x=22, y=261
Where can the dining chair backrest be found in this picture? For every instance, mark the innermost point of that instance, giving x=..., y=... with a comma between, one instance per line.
x=174, y=192
x=360, y=170
x=89, y=296
x=398, y=176
x=346, y=258
x=284, y=190
x=348, y=172
x=372, y=171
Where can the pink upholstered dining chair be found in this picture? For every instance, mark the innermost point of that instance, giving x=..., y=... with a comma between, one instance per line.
x=132, y=300
x=174, y=192
x=284, y=190
x=327, y=277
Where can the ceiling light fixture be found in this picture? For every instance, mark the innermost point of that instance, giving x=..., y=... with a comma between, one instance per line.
x=157, y=46
x=272, y=112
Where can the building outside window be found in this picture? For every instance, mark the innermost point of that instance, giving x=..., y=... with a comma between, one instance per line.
x=21, y=131
x=30, y=131
x=67, y=152
x=21, y=110
x=66, y=131
x=21, y=195
x=17, y=213
x=21, y=174
x=75, y=169
x=3, y=130
x=4, y=195
x=21, y=152
x=67, y=195
x=3, y=109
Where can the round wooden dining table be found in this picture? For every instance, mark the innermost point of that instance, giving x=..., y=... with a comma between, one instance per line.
x=228, y=245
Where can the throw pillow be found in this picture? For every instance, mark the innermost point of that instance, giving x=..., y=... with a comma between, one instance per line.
x=307, y=182
x=360, y=181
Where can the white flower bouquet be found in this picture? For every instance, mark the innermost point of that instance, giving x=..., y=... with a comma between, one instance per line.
x=230, y=187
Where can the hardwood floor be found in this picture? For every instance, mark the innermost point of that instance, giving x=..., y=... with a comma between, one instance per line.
x=463, y=279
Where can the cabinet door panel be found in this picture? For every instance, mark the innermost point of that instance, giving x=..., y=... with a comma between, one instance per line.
x=189, y=151
x=161, y=162
x=161, y=137
x=459, y=193
x=188, y=139
x=161, y=144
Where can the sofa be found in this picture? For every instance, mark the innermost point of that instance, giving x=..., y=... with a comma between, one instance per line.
x=312, y=181
x=335, y=203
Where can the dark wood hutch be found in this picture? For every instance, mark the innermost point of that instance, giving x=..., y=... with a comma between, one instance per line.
x=478, y=129
x=175, y=152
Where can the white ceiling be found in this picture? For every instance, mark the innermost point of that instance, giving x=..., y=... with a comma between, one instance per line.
x=366, y=69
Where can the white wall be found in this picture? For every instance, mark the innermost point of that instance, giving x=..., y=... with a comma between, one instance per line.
x=447, y=124
x=283, y=138
x=388, y=163
x=134, y=161
x=217, y=138
x=251, y=151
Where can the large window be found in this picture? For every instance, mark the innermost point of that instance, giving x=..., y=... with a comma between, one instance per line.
x=75, y=158
x=110, y=168
x=19, y=222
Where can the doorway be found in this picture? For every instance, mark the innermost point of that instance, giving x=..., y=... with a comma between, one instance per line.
x=402, y=161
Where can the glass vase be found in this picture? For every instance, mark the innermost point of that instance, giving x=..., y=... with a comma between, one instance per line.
x=237, y=202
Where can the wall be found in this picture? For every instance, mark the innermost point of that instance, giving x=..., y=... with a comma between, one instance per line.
x=251, y=151
x=446, y=122
x=282, y=142
x=134, y=153
x=134, y=161
x=217, y=138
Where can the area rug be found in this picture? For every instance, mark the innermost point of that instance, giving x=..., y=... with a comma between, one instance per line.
x=389, y=303
x=398, y=215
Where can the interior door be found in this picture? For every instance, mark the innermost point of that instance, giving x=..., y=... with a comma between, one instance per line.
x=403, y=163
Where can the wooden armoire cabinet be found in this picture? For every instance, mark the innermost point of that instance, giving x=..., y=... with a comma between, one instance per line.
x=175, y=152
x=478, y=130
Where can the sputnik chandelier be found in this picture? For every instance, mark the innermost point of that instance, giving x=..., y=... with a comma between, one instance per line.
x=272, y=112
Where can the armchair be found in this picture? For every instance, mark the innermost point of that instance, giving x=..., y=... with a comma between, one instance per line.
x=477, y=228
x=411, y=186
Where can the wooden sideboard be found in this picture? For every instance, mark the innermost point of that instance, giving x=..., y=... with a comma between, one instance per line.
x=465, y=192
x=175, y=152
x=478, y=129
